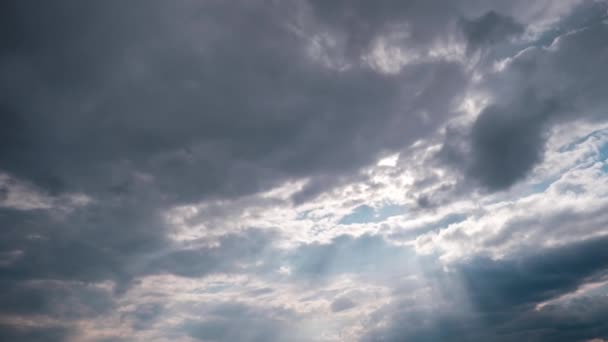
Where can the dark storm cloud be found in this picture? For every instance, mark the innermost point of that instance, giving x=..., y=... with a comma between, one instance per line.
x=528, y=280
x=33, y=334
x=57, y=299
x=4, y=191
x=579, y=320
x=539, y=88
x=204, y=99
x=57, y=259
x=504, y=295
x=490, y=29
x=60, y=257
x=507, y=143
x=116, y=244
x=90, y=245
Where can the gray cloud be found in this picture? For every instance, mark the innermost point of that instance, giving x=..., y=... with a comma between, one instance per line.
x=342, y=304
x=56, y=299
x=580, y=320
x=59, y=260
x=504, y=295
x=489, y=29
x=90, y=245
x=531, y=279
x=507, y=143
x=33, y=334
x=238, y=322
x=144, y=315
x=229, y=250
x=539, y=88
x=193, y=102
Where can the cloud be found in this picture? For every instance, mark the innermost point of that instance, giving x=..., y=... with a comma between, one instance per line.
x=234, y=322
x=532, y=279
x=218, y=171
x=26, y=334
x=224, y=255
x=145, y=315
x=183, y=104
x=537, y=89
x=506, y=144
x=504, y=295
x=67, y=300
x=342, y=304
x=489, y=29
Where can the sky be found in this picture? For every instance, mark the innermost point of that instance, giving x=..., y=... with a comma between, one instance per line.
x=304, y=170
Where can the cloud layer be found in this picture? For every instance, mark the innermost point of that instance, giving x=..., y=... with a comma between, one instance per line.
x=303, y=171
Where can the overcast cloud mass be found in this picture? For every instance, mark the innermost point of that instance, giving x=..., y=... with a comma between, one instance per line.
x=310, y=170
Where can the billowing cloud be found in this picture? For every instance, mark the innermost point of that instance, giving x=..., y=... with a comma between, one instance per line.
x=538, y=87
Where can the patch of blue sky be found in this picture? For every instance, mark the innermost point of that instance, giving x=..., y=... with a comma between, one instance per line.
x=303, y=215
x=603, y=157
x=603, y=152
x=367, y=214
x=542, y=186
